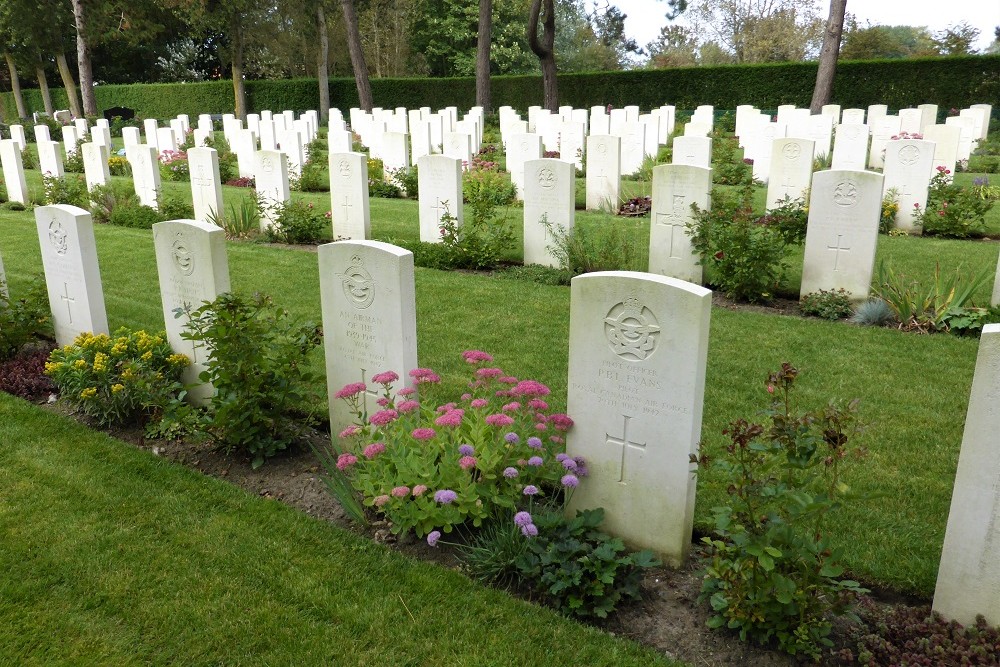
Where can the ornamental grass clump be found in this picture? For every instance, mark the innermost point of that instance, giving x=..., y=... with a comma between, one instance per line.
x=119, y=379
x=426, y=463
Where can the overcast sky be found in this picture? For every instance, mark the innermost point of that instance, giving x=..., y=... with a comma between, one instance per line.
x=646, y=17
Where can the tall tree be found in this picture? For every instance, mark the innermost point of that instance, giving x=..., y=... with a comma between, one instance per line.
x=15, y=83
x=357, y=55
x=483, y=56
x=760, y=30
x=956, y=40
x=83, y=59
x=828, y=54
x=323, y=63
x=544, y=48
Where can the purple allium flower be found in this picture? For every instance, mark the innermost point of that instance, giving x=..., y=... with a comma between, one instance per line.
x=570, y=481
x=522, y=519
x=561, y=457
x=535, y=461
x=529, y=530
x=510, y=472
x=388, y=377
x=531, y=490
x=569, y=464
x=512, y=438
x=445, y=496
x=535, y=443
x=466, y=450
x=581, y=467
x=433, y=537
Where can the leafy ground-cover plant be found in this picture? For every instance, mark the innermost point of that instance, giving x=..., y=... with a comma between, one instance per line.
x=773, y=573
x=482, y=240
x=117, y=379
x=24, y=374
x=828, y=304
x=605, y=248
x=174, y=166
x=953, y=210
x=73, y=163
x=887, y=214
x=70, y=189
x=746, y=252
x=582, y=571
x=298, y=222
x=23, y=319
x=257, y=365
x=918, y=636
x=428, y=464
x=241, y=219
x=485, y=186
x=926, y=308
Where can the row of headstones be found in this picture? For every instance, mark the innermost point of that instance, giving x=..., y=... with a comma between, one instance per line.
x=638, y=350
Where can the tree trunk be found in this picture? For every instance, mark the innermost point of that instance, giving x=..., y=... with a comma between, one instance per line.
x=68, y=84
x=15, y=85
x=43, y=87
x=483, y=56
x=323, y=64
x=828, y=56
x=239, y=90
x=357, y=55
x=83, y=61
x=544, y=48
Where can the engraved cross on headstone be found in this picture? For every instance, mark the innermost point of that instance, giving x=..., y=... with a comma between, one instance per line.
x=439, y=208
x=68, y=300
x=838, y=249
x=347, y=206
x=624, y=443
x=368, y=392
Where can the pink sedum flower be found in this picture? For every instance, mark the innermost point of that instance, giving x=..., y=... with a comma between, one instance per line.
x=407, y=406
x=419, y=490
x=479, y=403
x=423, y=433
x=388, y=377
x=351, y=390
x=500, y=420
x=476, y=356
x=400, y=492
x=383, y=417
x=346, y=460
x=511, y=407
x=467, y=462
x=381, y=500
x=373, y=450
x=350, y=431
x=452, y=419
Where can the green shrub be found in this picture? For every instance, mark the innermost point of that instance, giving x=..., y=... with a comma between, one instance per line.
x=746, y=255
x=384, y=189
x=23, y=320
x=135, y=216
x=173, y=207
x=580, y=570
x=481, y=241
x=70, y=189
x=174, y=166
x=926, y=308
x=952, y=210
x=887, y=215
x=119, y=166
x=773, y=573
x=313, y=178
x=828, y=304
x=257, y=366
x=106, y=198
x=408, y=180
x=117, y=379
x=73, y=163
x=241, y=220
x=298, y=222
x=487, y=188
x=609, y=247
x=728, y=165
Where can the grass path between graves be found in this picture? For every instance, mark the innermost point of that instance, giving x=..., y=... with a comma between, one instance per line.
x=111, y=556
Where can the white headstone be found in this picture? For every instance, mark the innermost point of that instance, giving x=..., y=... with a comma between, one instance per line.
x=928, y=116
x=42, y=133
x=50, y=158
x=395, y=152
x=853, y=117
x=166, y=140
x=82, y=126
x=271, y=175
x=420, y=140
x=369, y=320
x=908, y=164
x=844, y=211
x=290, y=141
x=946, y=139
x=13, y=171
x=638, y=346
x=17, y=134
x=349, y=204
x=95, y=165
x=603, y=172
x=151, y=129
x=520, y=149
x=131, y=137
x=206, y=186
x=675, y=188
x=694, y=151
x=791, y=169
x=968, y=582
x=72, y=275
x=440, y=192
x=633, y=147
x=145, y=173
x=572, y=136
x=69, y=139
x=458, y=145
x=245, y=146
x=549, y=203
x=882, y=129
x=193, y=268
x=850, y=147
x=909, y=120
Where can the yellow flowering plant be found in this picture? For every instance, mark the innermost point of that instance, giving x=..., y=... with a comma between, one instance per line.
x=120, y=379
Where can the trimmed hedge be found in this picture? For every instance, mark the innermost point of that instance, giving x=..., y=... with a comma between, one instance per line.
x=947, y=82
